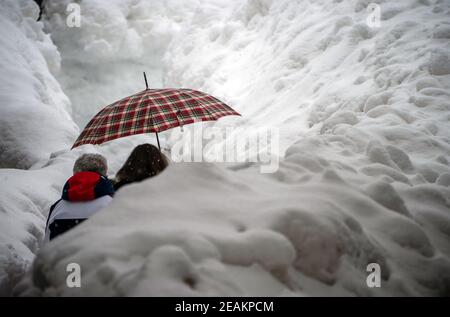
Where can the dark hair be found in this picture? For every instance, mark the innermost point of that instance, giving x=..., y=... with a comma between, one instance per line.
x=145, y=161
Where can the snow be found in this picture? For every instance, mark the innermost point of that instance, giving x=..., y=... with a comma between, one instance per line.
x=116, y=42
x=29, y=93
x=35, y=121
x=24, y=197
x=363, y=115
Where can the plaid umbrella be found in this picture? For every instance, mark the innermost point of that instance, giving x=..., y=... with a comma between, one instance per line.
x=152, y=110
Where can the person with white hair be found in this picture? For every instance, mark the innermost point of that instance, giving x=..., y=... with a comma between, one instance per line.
x=84, y=194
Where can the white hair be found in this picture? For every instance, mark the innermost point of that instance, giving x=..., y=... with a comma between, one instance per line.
x=91, y=163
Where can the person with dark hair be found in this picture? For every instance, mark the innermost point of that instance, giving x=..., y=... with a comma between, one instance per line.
x=145, y=161
x=84, y=194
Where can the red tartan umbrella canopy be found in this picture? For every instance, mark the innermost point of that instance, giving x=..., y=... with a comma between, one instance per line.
x=152, y=110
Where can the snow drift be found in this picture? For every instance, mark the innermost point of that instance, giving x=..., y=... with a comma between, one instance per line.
x=29, y=93
x=103, y=60
x=363, y=115
x=209, y=231
x=35, y=121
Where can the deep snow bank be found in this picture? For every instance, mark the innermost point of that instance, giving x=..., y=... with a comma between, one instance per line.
x=366, y=180
x=34, y=122
x=34, y=111
x=26, y=197
x=302, y=64
x=242, y=233
x=103, y=59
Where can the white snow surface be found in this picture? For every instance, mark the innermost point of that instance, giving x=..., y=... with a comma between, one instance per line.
x=29, y=94
x=364, y=119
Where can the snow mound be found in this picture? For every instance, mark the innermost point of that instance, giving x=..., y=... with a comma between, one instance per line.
x=311, y=237
x=25, y=201
x=34, y=111
x=103, y=59
x=35, y=122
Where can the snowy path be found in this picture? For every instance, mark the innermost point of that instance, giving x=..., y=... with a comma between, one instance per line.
x=364, y=120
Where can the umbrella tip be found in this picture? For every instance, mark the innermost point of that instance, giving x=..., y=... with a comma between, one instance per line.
x=145, y=78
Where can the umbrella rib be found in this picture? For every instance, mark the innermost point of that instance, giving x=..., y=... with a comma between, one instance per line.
x=93, y=132
x=186, y=93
